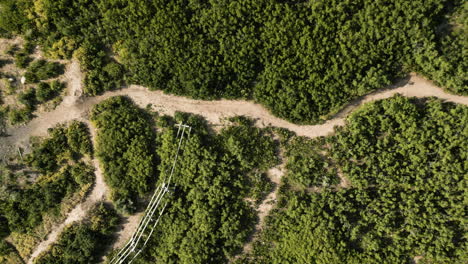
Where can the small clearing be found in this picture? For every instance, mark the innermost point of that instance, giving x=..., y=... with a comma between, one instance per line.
x=128, y=228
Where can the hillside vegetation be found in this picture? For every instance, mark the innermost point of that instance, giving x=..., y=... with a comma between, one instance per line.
x=207, y=218
x=406, y=162
x=83, y=242
x=39, y=190
x=301, y=59
x=41, y=90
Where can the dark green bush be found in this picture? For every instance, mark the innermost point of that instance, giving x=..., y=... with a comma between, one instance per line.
x=79, y=139
x=13, y=16
x=48, y=91
x=4, y=62
x=18, y=116
x=22, y=60
x=44, y=92
x=43, y=70
x=28, y=98
x=4, y=229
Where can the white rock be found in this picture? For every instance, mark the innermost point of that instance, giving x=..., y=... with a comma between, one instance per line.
x=23, y=80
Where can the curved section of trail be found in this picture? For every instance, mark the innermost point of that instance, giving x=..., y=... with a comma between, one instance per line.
x=213, y=111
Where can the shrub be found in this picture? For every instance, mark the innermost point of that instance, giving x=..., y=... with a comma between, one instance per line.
x=22, y=60
x=43, y=70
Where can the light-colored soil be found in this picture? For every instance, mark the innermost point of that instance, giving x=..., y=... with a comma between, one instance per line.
x=417, y=259
x=128, y=228
x=344, y=181
x=76, y=107
x=6, y=43
x=74, y=77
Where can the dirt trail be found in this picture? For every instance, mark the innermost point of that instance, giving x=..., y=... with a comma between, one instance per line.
x=213, y=111
x=99, y=190
x=275, y=174
x=74, y=77
x=128, y=228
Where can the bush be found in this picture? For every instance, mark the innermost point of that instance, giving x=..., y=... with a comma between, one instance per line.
x=18, y=116
x=405, y=160
x=306, y=167
x=208, y=203
x=25, y=206
x=22, y=60
x=43, y=70
x=79, y=139
x=44, y=92
x=13, y=16
x=4, y=62
x=28, y=98
x=4, y=229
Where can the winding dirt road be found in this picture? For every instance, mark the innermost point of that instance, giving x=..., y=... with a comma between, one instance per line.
x=76, y=107
x=213, y=111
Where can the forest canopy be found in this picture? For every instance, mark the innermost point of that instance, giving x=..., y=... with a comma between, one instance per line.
x=207, y=218
x=125, y=148
x=406, y=162
x=301, y=59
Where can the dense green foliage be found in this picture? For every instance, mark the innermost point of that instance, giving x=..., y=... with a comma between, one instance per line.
x=48, y=91
x=207, y=218
x=13, y=16
x=22, y=207
x=125, y=147
x=20, y=115
x=301, y=59
x=406, y=160
x=78, y=138
x=22, y=60
x=43, y=70
x=445, y=60
x=306, y=167
x=8, y=254
x=25, y=207
x=83, y=242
